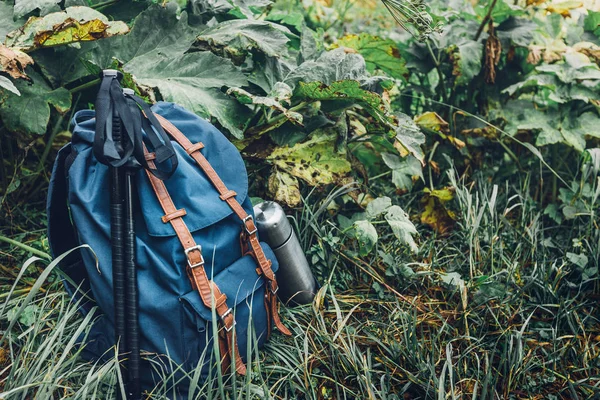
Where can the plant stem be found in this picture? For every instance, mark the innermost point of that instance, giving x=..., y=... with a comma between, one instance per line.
x=30, y=249
x=485, y=20
x=85, y=86
x=436, y=62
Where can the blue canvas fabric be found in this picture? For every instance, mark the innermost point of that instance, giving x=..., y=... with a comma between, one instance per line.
x=173, y=318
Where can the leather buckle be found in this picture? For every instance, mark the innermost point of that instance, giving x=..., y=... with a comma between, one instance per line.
x=246, y=219
x=187, y=255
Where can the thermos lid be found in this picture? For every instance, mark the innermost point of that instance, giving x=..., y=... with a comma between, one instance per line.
x=272, y=223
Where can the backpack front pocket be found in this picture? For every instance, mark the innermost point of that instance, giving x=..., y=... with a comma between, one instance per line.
x=245, y=292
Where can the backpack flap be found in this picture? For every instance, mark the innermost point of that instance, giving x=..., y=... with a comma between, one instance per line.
x=189, y=188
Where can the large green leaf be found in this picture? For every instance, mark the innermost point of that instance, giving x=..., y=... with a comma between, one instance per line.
x=315, y=161
x=156, y=30
x=24, y=7
x=378, y=206
x=30, y=112
x=330, y=66
x=521, y=115
x=378, y=53
x=235, y=39
x=7, y=20
x=194, y=81
x=75, y=24
x=592, y=22
x=341, y=90
x=576, y=68
x=467, y=61
x=518, y=30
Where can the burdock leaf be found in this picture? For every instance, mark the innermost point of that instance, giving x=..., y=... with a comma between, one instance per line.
x=315, y=161
x=194, y=81
x=30, y=112
x=378, y=53
x=341, y=90
x=75, y=24
x=330, y=66
x=402, y=227
x=7, y=19
x=235, y=39
x=24, y=7
x=467, y=61
x=245, y=97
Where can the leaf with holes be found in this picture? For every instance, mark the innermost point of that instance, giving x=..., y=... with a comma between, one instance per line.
x=235, y=39
x=13, y=62
x=284, y=188
x=75, y=24
x=194, y=81
x=315, y=161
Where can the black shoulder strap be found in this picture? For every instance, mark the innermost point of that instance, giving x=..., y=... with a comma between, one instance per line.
x=61, y=232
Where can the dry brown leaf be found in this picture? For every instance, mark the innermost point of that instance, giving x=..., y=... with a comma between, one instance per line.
x=13, y=62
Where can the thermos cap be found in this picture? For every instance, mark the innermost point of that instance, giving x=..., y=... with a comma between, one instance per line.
x=272, y=223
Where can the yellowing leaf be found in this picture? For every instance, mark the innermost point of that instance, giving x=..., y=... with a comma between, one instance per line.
x=315, y=161
x=432, y=122
x=564, y=7
x=435, y=214
x=378, y=53
x=284, y=188
x=75, y=24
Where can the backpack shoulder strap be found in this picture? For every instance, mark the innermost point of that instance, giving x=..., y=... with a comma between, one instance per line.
x=61, y=232
x=62, y=235
x=249, y=232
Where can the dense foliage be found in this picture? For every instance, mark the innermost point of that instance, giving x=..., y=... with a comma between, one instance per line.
x=444, y=181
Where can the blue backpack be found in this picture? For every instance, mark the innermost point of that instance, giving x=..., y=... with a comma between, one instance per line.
x=196, y=243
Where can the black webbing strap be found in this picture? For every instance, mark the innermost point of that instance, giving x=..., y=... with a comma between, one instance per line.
x=159, y=144
x=115, y=147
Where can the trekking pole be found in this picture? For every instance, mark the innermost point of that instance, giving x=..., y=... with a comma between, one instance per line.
x=131, y=291
x=113, y=146
x=117, y=224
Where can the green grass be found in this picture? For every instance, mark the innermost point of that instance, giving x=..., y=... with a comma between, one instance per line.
x=495, y=309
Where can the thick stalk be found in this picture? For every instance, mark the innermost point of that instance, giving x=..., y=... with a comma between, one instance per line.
x=485, y=20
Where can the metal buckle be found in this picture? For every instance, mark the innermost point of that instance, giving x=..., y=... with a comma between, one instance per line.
x=271, y=288
x=225, y=314
x=232, y=326
x=249, y=217
x=187, y=255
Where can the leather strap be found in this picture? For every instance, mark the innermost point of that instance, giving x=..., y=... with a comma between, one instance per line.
x=178, y=213
x=248, y=233
x=208, y=290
